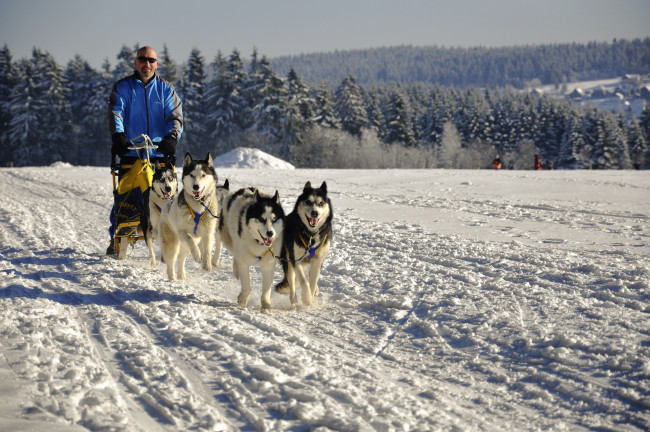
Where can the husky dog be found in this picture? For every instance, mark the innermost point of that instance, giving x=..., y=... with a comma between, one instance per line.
x=222, y=192
x=251, y=226
x=188, y=223
x=306, y=242
x=163, y=189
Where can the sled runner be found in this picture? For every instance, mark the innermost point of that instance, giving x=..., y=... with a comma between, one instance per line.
x=131, y=178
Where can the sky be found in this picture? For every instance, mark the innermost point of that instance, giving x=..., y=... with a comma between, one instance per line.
x=97, y=30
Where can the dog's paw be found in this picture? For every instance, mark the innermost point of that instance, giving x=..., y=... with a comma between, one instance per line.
x=242, y=300
x=282, y=287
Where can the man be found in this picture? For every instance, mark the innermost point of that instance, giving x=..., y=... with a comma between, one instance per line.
x=143, y=103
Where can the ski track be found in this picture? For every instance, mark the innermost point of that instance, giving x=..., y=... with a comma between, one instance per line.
x=415, y=329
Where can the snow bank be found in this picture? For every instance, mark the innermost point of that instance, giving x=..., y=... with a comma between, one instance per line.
x=242, y=157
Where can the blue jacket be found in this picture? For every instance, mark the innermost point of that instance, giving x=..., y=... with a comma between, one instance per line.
x=154, y=109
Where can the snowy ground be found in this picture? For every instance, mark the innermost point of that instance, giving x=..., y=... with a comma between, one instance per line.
x=451, y=300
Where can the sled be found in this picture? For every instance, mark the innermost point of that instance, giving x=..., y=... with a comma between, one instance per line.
x=130, y=181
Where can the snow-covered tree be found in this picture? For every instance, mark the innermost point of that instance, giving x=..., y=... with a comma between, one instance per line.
x=399, y=126
x=299, y=110
x=450, y=150
x=124, y=66
x=268, y=114
x=223, y=102
x=192, y=94
x=7, y=82
x=89, y=90
x=324, y=114
x=572, y=142
x=40, y=128
x=612, y=150
x=167, y=66
x=637, y=144
x=349, y=107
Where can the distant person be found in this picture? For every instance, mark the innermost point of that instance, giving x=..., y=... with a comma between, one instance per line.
x=143, y=103
x=538, y=162
x=496, y=163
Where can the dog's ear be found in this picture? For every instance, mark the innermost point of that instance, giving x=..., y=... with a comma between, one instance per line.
x=226, y=185
x=187, y=160
x=257, y=195
x=323, y=187
x=209, y=159
x=156, y=166
x=307, y=186
x=276, y=197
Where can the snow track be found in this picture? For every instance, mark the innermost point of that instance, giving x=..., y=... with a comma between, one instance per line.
x=452, y=300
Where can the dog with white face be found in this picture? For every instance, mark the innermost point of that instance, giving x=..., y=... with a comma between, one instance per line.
x=251, y=225
x=306, y=243
x=188, y=224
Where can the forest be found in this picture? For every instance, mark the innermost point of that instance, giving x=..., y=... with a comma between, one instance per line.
x=51, y=113
x=515, y=66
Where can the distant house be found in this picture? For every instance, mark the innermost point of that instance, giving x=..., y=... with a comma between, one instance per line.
x=537, y=92
x=630, y=82
x=645, y=92
x=577, y=93
x=600, y=92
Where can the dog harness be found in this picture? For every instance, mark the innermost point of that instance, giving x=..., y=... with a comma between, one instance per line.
x=259, y=258
x=198, y=216
x=158, y=209
x=310, y=251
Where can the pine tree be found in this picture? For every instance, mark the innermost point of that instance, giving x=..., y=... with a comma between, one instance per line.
x=89, y=91
x=611, y=151
x=376, y=119
x=349, y=107
x=637, y=144
x=223, y=102
x=167, y=66
x=324, y=107
x=24, y=101
x=644, y=124
x=299, y=110
x=124, y=66
x=7, y=82
x=193, y=88
x=268, y=114
x=399, y=127
x=40, y=127
x=572, y=142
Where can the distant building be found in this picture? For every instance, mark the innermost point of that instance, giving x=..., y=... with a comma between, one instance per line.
x=600, y=92
x=645, y=92
x=630, y=82
x=577, y=94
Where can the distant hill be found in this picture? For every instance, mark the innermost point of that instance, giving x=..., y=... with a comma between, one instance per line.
x=515, y=66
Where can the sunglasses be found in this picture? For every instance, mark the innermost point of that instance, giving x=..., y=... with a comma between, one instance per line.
x=147, y=59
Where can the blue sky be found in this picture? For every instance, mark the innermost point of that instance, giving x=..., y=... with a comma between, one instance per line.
x=96, y=30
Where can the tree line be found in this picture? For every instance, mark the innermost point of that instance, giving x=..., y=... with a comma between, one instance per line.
x=52, y=113
x=515, y=66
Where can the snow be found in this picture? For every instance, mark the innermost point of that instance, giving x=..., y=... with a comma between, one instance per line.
x=243, y=157
x=451, y=300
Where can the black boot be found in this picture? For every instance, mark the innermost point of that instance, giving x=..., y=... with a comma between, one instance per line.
x=111, y=248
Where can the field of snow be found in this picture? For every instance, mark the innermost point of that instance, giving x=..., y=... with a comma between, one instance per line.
x=452, y=300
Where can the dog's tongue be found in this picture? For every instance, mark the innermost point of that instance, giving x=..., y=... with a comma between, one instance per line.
x=167, y=195
x=267, y=241
x=313, y=221
x=197, y=194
